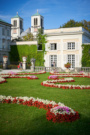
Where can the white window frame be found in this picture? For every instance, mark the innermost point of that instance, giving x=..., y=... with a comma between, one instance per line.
x=71, y=59
x=71, y=45
x=53, y=58
x=52, y=46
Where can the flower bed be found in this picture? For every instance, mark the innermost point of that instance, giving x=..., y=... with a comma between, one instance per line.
x=50, y=83
x=61, y=80
x=57, y=112
x=2, y=77
x=28, y=76
x=53, y=77
x=2, y=80
x=70, y=74
x=5, y=76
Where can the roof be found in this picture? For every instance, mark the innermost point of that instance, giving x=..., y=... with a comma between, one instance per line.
x=24, y=33
x=37, y=14
x=17, y=16
x=2, y=21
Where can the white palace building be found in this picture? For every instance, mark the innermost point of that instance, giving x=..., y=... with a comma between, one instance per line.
x=63, y=44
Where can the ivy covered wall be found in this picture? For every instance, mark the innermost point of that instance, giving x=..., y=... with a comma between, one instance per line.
x=86, y=55
x=17, y=51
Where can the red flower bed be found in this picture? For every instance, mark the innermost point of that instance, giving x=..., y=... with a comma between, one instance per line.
x=59, y=117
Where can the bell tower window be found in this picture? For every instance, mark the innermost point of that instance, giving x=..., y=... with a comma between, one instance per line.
x=20, y=24
x=15, y=23
x=41, y=22
x=35, y=21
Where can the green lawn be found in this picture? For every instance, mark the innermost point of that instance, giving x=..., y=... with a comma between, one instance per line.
x=23, y=120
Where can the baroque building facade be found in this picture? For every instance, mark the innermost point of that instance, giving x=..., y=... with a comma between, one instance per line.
x=63, y=44
x=5, y=39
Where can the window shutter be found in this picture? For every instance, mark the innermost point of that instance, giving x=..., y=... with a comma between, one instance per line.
x=47, y=46
x=77, y=60
x=58, y=46
x=65, y=46
x=64, y=58
x=76, y=45
x=58, y=60
x=47, y=61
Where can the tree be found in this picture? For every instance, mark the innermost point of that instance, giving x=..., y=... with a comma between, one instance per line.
x=86, y=55
x=41, y=38
x=72, y=23
x=28, y=37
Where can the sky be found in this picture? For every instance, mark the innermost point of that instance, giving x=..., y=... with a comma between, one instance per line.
x=55, y=12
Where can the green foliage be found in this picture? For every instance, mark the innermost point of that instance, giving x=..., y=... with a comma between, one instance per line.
x=41, y=38
x=28, y=37
x=17, y=51
x=72, y=23
x=86, y=56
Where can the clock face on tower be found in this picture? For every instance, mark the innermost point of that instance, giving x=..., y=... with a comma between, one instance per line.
x=35, y=29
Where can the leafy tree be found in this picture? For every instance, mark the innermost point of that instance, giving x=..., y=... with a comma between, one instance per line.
x=28, y=37
x=41, y=38
x=86, y=55
x=72, y=23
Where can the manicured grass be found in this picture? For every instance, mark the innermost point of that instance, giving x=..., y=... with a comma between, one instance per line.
x=23, y=120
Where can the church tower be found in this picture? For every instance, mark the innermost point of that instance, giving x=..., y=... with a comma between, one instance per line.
x=37, y=22
x=17, y=26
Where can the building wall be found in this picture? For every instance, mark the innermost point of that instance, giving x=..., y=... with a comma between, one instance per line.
x=4, y=40
x=62, y=37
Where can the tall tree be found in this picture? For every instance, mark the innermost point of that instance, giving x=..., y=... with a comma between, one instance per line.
x=28, y=37
x=72, y=23
x=41, y=38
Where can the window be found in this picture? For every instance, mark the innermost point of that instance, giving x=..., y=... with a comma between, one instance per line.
x=3, y=43
x=35, y=21
x=8, y=44
x=15, y=23
x=53, y=60
x=53, y=46
x=71, y=45
x=3, y=31
x=8, y=33
x=71, y=59
x=41, y=22
x=20, y=24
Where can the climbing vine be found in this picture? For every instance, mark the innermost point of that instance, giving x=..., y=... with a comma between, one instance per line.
x=86, y=55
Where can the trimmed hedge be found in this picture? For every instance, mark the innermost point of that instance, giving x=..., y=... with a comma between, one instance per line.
x=17, y=51
x=86, y=56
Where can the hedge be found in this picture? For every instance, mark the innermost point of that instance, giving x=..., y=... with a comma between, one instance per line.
x=17, y=51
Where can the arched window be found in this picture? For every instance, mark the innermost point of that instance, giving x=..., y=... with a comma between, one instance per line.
x=20, y=24
x=15, y=23
x=35, y=21
x=41, y=22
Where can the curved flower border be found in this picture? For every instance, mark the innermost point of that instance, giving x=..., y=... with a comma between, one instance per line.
x=70, y=75
x=3, y=77
x=56, y=112
x=51, y=83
